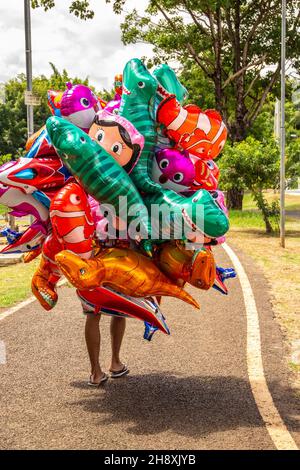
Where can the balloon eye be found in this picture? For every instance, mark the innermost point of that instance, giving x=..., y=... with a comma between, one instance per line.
x=210, y=164
x=116, y=148
x=84, y=102
x=195, y=199
x=164, y=163
x=141, y=84
x=75, y=199
x=82, y=139
x=82, y=271
x=178, y=177
x=100, y=135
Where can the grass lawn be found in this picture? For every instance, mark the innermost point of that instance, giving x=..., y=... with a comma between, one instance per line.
x=281, y=265
x=15, y=283
x=3, y=209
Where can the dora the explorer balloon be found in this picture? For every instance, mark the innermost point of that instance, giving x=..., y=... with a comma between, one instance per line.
x=118, y=137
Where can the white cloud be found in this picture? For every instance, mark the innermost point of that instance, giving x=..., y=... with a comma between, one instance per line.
x=84, y=48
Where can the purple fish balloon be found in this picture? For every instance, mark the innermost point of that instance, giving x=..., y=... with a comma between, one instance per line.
x=173, y=169
x=79, y=105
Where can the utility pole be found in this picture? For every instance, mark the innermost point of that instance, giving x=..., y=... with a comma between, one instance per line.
x=28, y=52
x=282, y=128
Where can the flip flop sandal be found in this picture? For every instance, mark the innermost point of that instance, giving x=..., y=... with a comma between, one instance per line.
x=119, y=373
x=98, y=384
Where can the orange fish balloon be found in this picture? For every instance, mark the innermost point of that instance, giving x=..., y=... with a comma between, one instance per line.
x=201, y=133
x=72, y=220
x=121, y=269
x=206, y=174
x=72, y=228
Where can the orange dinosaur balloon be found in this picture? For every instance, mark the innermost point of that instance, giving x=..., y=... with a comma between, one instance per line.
x=196, y=268
x=43, y=284
x=122, y=269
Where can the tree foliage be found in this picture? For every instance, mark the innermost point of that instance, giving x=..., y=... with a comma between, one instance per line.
x=234, y=44
x=79, y=8
x=13, y=113
x=252, y=165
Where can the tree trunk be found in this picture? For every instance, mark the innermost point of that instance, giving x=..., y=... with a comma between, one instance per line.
x=263, y=207
x=234, y=198
x=238, y=127
x=269, y=228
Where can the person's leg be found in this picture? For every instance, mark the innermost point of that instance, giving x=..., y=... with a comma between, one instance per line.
x=92, y=337
x=117, y=329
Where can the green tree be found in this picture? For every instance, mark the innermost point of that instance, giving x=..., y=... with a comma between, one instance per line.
x=5, y=158
x=79, y=8
x=293, y=161
x=293, y=143
x=252, y=165
x=13, y=123
x=229, y=57
x=233, y=46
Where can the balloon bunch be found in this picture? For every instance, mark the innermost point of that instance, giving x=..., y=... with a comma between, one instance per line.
x=145, y=148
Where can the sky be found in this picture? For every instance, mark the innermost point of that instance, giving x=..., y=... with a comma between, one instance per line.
x=90, y=48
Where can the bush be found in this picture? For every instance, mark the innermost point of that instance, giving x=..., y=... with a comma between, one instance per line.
x=252, y=165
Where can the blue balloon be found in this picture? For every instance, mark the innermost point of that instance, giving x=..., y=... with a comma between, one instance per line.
x=149, y=331
x=11, y=235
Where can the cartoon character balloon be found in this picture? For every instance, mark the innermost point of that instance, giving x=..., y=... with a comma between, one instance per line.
x=96, y=168
x=118, y=137
x=173, y=169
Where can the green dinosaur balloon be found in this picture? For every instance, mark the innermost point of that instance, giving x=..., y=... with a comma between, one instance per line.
x=198, y=212
x=138, y=101
x=139, y=88
x=169, y=83
x=96, y=169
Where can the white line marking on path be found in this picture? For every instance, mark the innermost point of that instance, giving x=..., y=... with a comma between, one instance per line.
x=2, y=352
x=23, y=304
x=277, y=429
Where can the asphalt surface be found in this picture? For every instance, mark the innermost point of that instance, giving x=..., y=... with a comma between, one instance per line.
x=186, y=391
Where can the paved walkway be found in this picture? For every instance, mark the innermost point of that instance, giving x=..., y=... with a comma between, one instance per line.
x=187, y=391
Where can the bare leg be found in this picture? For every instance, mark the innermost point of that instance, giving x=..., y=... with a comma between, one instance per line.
x=92, y=338
x=117, y=329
